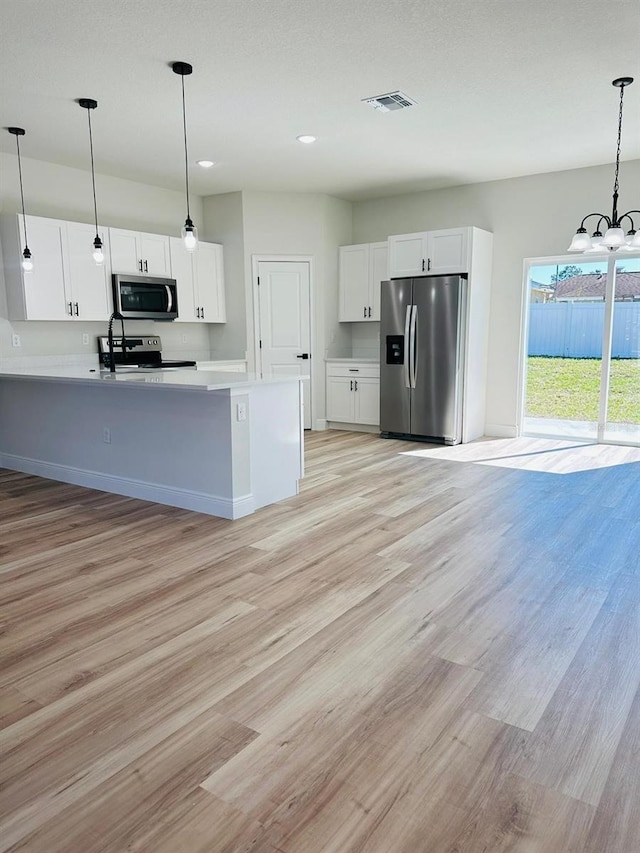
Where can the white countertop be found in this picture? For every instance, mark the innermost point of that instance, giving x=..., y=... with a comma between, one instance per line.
x=186, y=380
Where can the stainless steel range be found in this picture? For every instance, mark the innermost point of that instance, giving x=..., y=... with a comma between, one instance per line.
x=139, y=351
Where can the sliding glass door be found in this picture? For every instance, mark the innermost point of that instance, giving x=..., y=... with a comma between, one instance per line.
x=620, y=393
x=582, y=355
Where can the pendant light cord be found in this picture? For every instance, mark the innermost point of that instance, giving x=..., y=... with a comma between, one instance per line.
x=186, y=156
x=615, y=183
x=24, y=218
x=93, y=174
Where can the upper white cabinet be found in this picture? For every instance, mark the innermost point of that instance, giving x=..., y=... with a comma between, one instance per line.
x=200, y=279
x=88, y=290
x=139, y=252
x=362, y=267
x=429, y=253
x=65, y=282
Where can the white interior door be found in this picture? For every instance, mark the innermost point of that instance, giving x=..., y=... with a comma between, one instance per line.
x=284, y=323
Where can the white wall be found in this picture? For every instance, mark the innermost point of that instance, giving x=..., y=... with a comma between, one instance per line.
x=64, y=193
x=302, y=224
x=223, y=223
x=533, y=216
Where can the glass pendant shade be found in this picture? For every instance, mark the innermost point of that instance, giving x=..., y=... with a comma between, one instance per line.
x=27, y=261
x=189, y=231
x=98, y=254
x=634, y=240
x=581, y=242
x=190, y=236
x=614, y=238
x=89, y=104
x=596, y=243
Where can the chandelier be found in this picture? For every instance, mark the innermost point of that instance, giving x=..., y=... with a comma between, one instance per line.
x=614, y=237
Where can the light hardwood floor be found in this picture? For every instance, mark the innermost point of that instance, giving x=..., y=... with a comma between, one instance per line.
x=430, y=650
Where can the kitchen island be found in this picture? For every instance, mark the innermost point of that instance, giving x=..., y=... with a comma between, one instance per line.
x=218, y=443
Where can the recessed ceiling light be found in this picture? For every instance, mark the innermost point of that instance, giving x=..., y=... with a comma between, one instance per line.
x=306, y=138
x=206, y=164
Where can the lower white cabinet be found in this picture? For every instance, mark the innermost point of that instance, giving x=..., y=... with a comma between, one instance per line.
x=200, y=279
x=66, y=283
x=353, y=392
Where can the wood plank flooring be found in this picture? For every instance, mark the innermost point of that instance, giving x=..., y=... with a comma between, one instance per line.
x=429, y=650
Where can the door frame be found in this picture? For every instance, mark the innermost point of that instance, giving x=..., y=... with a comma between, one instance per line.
x=253, y=316
x=606, y=258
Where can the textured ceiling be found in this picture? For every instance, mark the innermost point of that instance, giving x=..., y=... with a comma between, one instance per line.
x=503, y=88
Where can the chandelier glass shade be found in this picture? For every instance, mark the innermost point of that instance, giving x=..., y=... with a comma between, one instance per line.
x=614, y=238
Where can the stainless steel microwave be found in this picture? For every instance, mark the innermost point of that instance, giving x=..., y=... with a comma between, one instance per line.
x=145, y=297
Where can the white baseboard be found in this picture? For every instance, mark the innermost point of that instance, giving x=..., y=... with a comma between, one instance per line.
x=168, y=495
x=353, y=427
x=319, y=424
x=501, y=431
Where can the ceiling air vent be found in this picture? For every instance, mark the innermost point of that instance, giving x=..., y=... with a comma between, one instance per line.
x=389, y=102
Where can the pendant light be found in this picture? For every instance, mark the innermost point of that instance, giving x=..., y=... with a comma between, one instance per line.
x=27, y=260
x=189, y=230
x=89, y=104
x=614, y=237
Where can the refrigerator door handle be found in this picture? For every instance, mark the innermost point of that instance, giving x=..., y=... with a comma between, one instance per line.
x=413, y=346
x=407, y=345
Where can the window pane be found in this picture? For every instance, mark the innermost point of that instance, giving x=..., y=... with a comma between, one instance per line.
x=623, y=404
x=564, y=356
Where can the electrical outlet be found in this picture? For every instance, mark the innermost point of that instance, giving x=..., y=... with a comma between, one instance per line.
x=241, y=411
x=85, y=339
x=15, y=341
x=184, y=339
x=106, y=435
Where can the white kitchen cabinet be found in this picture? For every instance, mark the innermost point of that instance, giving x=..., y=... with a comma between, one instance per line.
x=353, y=393
x=88, y=290
x=361, y=269
x=138, y=252
x=200, y=280
x=66, y=283
x=442, y=252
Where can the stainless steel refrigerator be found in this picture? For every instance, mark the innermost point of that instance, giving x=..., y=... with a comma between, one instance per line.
x=422, y=332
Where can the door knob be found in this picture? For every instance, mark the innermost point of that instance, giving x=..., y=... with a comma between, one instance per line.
x=304, y=355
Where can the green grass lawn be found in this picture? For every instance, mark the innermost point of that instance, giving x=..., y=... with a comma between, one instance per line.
x=569, y=388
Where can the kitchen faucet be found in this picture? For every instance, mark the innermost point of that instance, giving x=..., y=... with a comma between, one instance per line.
x=115, y=316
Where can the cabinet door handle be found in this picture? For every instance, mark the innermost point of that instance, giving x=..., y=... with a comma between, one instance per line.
x=202, y=312
x=364, y=311
x=423, y=265
x=351, y=385
x=198, y=312
x=70, y=304
x=356, y=385
x=428, y=264
x=77, y=311
x=369, y=310
x=140, y=265
x=146, y=266
x=354, y=370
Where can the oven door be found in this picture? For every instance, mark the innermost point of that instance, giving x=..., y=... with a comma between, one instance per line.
x=145, y=297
